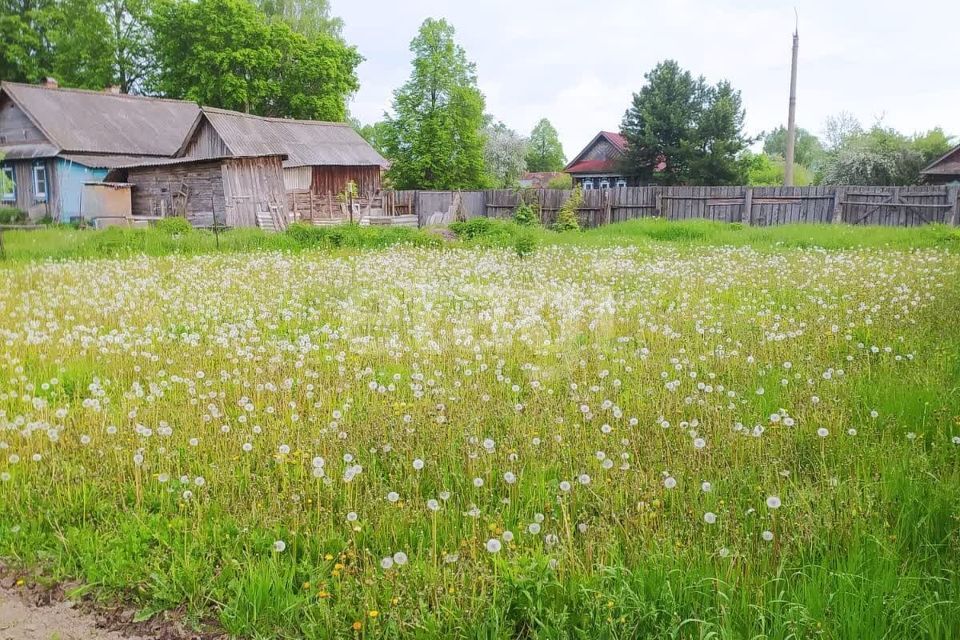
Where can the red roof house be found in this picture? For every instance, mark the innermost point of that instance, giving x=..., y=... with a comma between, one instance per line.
x=597, y=166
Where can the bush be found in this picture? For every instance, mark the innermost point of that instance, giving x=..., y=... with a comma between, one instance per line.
x=357, y=237
x=567, y=217
x=174, y=225
x=524, y=243
x=564, y=181
x=473, y=228
x=12, y=215
x=526, y=215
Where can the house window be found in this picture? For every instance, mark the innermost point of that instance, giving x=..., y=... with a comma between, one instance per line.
x=587, y=184
x=9, y=185
x=621, y=183
x=604, y=184
x=40, y=181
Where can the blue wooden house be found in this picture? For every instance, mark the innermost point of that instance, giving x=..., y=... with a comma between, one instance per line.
x=54, y=140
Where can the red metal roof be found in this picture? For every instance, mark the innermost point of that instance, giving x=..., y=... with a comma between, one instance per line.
x=593, y=166
x=616, y=140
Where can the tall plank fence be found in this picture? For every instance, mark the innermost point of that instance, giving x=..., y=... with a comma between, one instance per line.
x=761, y=206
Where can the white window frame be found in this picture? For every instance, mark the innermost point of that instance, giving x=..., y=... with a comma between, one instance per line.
x=621, y=183
x=38, y=195
x=587, y=184
x=9, y=182
x=605, y=184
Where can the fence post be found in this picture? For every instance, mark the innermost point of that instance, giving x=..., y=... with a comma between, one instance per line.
x=952, y=218
x=659, y=203
x=837, y=206
x=746, y=216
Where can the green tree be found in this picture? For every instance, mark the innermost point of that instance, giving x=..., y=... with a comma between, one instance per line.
x=807, y=149
x=765, y=170
x=694, y=129
x=127, y=39
x=882, y=156
x=308, y=17
x=504, y=155
x=434, y=137
x=223, y=53
x=66, y=39
x=375, y=134
x=544, y=151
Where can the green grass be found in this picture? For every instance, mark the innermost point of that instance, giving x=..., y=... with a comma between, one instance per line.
x=407, y=350
x=61, y=243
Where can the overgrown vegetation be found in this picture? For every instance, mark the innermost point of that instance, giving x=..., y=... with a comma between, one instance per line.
x=12, y=215
x=568, y=217
x=658, y=438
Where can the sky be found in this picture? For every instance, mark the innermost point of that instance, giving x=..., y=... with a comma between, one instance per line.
x=579, y=63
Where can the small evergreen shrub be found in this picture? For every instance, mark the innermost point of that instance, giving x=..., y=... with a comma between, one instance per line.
x=526, y=215
x=567, y=218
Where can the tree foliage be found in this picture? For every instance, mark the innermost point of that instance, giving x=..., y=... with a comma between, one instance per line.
x=765, y=170
x=694, y=128
x=434, y=137
x=544, y=151
x=308, y=17
x=807, y=150
x=223, y=53
x=881, y=156
x=504, y=155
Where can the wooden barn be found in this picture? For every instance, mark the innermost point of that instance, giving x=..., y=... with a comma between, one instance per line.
x=53, y=141
x=235, y=191
x=322, y=157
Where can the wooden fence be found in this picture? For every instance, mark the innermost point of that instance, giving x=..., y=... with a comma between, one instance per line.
x=762, y=206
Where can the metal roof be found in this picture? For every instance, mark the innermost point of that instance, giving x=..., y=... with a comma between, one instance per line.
x=305, y=142
x=27, y=151
x=100, y=161
x=77, y=120
x=617, y=141
x=947, y=164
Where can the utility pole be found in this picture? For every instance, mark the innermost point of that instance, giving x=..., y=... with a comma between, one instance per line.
x=792, y=115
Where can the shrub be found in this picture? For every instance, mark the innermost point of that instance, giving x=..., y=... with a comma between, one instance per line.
x=567, y=218
x=473, y=228
x=12, y=215
x=524, y=243
x=564, y=181
x=174, y=225
x=526, y=215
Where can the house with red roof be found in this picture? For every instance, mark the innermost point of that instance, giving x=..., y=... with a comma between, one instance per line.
x=598, y=165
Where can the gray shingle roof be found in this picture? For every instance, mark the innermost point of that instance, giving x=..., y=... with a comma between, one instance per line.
x=96, y=122
x=305, y=142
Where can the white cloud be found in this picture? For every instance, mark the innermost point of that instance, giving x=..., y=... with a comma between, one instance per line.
x=578, y=63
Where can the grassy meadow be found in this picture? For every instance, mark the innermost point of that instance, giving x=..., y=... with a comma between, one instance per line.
x=646, y=430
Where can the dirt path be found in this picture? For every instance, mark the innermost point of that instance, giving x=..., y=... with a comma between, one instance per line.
x=59, y=621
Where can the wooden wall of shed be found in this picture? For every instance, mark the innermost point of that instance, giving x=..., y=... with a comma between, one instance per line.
x=334, y=179
x=254, y=192
x=154, y=190
x=206, y=143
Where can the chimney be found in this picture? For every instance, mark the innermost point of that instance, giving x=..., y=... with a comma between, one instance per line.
x=114, y=89
x=49, y=83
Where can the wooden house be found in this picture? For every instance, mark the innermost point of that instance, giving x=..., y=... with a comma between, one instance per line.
x=597, y=166
x=235, y=191
x=944, y=170
x=322, y=157
x=53, y=141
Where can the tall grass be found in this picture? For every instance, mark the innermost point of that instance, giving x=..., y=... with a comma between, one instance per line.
x=653, y=437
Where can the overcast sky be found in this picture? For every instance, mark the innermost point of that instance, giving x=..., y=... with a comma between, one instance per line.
x=578, y=63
